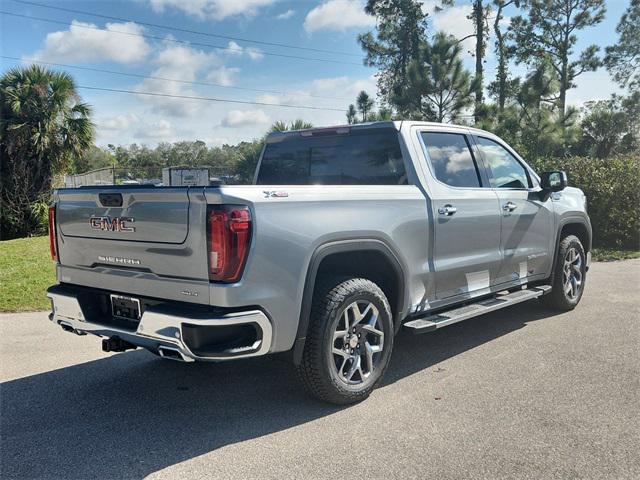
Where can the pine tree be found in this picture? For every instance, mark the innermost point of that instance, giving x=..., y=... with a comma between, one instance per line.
x=400, y=30
x=548, y=31
x=623, y=59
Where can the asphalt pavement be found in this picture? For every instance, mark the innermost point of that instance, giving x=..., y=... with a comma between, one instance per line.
x=520, y=393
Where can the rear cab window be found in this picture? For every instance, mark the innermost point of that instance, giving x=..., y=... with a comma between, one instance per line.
x=360, y=157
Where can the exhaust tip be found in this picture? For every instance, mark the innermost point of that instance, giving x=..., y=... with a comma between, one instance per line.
x=171, y=353
x=66, y=327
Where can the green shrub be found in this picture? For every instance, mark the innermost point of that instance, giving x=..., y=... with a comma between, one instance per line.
x=612, y=187
x=39, y=218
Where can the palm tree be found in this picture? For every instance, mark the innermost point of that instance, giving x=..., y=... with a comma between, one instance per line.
x=365, y=104
x=44, y=127
x=298, y=124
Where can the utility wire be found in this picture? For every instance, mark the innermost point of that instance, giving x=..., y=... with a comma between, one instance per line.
x=185, y=30
x=210, y=99
x=164, y=79
x=184, y=42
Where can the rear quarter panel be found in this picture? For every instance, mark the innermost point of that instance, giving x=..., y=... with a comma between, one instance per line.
x=288, y=230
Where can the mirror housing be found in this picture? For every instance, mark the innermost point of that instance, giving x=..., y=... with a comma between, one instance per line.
x=554, y=181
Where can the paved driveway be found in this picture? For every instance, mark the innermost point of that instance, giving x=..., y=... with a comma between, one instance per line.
x=522, y=393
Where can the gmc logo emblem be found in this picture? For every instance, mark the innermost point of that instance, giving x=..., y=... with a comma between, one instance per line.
x=108, y=224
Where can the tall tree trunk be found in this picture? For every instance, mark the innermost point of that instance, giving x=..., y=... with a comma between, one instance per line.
x=502, y=60
x=478, y=16
x=562, y=101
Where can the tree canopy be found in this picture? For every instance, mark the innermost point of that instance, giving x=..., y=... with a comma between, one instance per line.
x=44, y=127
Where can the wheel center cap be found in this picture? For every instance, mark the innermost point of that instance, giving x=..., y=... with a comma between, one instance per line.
x=353, y=341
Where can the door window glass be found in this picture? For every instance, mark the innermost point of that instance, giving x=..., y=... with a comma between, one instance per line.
x=451, y=159
x=506, y=170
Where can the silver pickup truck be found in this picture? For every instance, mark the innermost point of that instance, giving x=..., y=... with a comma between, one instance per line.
x=346, y=235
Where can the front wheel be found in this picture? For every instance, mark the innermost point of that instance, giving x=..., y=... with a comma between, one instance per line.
x=569, y=275
x=349, y=342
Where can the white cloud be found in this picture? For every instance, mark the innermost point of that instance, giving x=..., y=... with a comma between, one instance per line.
x=338, y=15
x=84, y=42
x=157, y=131
x=337, y=92
x=452, y=20
x=286, y=15
x=242, y=118
x=593, y=86
x=216, y=9
x=236, y=50
x=223, y=75
x=455, y=21
x=119, y=122
x=181, y=63
x=344, y=87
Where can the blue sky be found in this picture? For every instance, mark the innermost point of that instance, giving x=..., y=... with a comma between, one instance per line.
x=89, y=41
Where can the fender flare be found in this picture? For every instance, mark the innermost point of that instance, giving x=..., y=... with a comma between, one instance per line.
x=343, y=246
x=570, y=220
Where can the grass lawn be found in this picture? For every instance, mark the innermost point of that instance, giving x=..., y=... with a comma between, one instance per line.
x=26, y=271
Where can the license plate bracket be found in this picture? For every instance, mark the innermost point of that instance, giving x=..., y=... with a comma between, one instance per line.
x=126, y=308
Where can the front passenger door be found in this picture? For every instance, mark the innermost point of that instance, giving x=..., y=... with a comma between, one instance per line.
x=527, y=221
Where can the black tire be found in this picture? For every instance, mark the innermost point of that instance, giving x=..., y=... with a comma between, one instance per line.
x=560, y=298
x=341, y=378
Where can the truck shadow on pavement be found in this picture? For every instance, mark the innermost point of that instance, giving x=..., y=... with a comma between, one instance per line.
x=131, y=414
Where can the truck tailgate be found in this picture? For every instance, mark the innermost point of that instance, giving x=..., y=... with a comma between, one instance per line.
x=140, y=240
x=150, y=215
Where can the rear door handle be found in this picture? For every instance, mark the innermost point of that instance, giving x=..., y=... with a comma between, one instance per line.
x=509, y=207
x=447, y=210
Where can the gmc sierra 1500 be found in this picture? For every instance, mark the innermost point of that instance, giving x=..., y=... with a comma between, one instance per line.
x=347, y=235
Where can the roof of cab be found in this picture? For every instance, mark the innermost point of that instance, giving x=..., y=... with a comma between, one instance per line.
x=395, y=124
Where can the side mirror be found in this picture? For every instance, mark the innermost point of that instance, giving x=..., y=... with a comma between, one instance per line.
x=554, y=181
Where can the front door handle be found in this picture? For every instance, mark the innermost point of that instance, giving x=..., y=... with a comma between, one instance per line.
x=509, y=207
x=447, y=210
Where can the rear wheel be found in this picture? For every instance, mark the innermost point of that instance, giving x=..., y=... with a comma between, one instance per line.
x=349, y=342
x=569, y=275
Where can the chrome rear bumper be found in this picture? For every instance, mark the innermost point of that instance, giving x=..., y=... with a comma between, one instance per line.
x=164, y=332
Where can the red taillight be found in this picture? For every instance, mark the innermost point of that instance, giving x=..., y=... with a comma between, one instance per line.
x=53, y=243
x=228, y=241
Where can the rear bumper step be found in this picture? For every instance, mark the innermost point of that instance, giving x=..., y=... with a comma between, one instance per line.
x=486, y=305
x=181, y=336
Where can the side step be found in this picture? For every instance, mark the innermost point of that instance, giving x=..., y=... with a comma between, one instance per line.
x=496, y=302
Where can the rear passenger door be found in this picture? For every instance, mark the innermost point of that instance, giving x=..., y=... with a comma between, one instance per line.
x=466, y=243
x=527, y=220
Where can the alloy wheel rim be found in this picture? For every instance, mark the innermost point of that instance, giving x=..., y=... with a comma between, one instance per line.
x=572, y=274
x=357, y=342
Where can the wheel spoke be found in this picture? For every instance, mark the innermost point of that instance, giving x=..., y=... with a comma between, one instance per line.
x=372, y=330
x=567, y=287
x=340, y=352
x=357, y=316
x=355, y=365
x=339, y=334
x=369, y=356
x=342, y=365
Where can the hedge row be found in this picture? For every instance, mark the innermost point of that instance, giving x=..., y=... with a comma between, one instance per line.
x=612, y=187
